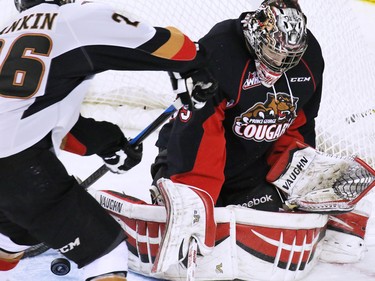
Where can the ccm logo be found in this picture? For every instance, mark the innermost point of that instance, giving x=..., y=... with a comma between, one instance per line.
x=70, y=246
x=300, y=79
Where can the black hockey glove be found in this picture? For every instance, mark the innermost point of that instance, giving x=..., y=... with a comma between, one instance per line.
x=124, y=159
x=194, y=88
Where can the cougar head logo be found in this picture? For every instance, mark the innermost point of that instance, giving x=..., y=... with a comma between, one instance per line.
x=280, y=107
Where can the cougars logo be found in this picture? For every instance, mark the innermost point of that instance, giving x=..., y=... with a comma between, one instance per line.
x=268, y=120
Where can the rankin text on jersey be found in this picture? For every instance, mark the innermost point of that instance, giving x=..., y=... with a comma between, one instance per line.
x=32, y=22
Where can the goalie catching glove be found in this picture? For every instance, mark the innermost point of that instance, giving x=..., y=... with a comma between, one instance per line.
x=194, y=88
x=317, y=182
x=123, y=159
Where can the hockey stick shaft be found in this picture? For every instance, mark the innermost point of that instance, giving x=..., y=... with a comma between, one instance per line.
x=192, y=260
x=156, y=123
x=101, y=171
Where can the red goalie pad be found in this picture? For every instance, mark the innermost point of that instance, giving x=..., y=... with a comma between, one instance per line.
x=248, y=244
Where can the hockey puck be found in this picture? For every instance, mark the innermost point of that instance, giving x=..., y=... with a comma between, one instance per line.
x=60, y=266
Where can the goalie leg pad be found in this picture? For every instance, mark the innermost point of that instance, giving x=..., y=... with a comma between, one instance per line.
x=277, y=246
x=145, y=226
x=249, y=244
x=345, y=238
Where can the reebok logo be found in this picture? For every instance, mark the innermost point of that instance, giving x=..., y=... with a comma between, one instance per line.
x=257, y=201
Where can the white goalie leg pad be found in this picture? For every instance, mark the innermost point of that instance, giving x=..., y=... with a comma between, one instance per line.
x=190, y=214
x=345, y=240
x=144, y=225
x=249, y=244
x=277, y=246
x=317, y=182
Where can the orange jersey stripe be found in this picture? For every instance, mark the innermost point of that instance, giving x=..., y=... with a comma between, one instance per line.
x=178, y=47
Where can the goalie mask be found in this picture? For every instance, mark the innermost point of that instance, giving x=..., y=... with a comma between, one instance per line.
x=276, y=33
x=23, y=5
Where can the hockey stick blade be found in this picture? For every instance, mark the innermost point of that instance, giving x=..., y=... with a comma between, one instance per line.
x=35, y=250
x=101, y=171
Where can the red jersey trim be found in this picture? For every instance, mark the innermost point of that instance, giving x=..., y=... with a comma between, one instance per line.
x=73, y=145
x=208, y=171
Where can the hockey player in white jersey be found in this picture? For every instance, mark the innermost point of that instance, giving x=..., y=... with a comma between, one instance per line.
x=48, y=55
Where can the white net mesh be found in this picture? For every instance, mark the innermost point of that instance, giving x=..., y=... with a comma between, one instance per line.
x=346, y=123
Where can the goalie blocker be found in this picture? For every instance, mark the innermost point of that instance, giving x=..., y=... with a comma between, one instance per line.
x=246, y=244
x=314, y=181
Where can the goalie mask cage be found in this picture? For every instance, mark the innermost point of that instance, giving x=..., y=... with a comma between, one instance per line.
x=346, y=121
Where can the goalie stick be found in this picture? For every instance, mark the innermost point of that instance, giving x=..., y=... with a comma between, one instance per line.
x=192, y=260
x=101, y=171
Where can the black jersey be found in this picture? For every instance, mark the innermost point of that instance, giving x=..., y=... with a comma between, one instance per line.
x=234, y=139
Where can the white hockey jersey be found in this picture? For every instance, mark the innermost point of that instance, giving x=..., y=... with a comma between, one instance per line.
x=49, y=53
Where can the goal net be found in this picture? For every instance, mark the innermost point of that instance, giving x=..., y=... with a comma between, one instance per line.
x=346, y=122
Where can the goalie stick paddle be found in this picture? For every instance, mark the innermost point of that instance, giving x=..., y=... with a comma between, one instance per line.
x=95, y=176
